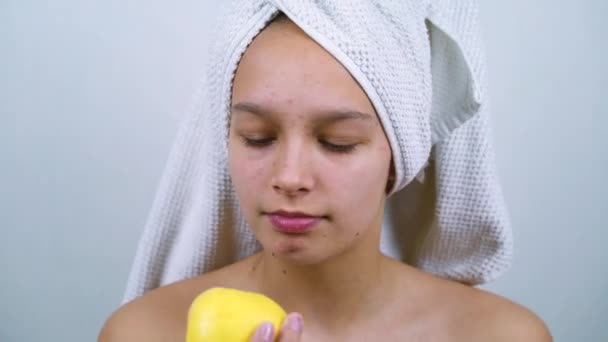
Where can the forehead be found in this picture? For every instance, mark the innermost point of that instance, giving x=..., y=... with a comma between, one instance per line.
x=287, y=71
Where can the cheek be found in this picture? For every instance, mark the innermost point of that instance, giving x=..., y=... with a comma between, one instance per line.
x=362, y=183
x=247, y=175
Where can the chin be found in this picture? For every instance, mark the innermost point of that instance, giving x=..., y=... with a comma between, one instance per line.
x=304, y=260
x=296, y=252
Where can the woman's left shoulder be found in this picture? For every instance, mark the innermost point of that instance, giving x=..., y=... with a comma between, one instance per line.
x=485, y=316
x=459, y=312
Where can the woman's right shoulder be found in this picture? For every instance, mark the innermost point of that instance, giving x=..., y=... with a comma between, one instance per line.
x=158, y=315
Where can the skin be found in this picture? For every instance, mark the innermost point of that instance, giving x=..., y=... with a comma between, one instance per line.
x=285, y=90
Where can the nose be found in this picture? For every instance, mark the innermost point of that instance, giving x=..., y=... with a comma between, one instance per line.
x=292, y=170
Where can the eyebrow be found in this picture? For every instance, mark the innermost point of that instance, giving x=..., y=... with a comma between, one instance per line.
x=328, y=117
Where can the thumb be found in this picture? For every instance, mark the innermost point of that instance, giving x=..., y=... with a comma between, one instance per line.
x=292, y=328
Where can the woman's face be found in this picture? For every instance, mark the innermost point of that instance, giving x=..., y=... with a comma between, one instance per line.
x=304, y=137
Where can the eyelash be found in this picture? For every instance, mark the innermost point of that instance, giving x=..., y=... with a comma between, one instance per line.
x=259, y=143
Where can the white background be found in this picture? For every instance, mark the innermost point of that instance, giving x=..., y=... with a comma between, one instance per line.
x=91, y=93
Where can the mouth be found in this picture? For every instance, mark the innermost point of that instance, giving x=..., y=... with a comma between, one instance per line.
x=293, y=221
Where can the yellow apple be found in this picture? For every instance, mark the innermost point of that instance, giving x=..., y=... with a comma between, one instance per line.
x=222, y=314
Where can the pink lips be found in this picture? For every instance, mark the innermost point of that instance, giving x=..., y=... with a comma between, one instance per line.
x=293, y=224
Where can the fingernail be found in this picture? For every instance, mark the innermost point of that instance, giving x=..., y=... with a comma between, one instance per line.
x=295, y=322
x=265, y=331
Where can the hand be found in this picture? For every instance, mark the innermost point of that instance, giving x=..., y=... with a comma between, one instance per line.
x=290, y=332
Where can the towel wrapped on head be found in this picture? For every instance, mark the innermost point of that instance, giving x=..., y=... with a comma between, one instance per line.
x=421, y=64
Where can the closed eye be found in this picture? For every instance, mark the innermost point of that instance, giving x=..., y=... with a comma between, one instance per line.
x=260, y=143
x=338, y=148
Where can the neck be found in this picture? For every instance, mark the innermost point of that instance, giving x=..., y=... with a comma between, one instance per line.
x=331, y=294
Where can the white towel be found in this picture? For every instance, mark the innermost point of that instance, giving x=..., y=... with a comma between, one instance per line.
x=421, y=64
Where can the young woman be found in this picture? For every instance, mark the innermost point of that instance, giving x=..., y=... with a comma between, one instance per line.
x=311, y=164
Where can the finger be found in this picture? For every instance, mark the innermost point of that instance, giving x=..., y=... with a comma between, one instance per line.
x=292, y=328
x=263, y=333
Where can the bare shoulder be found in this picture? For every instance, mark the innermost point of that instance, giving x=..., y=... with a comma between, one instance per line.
x=459, y=312
x=137, y=320
x=160, y=314
x=508, y=321
x=485, y=316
